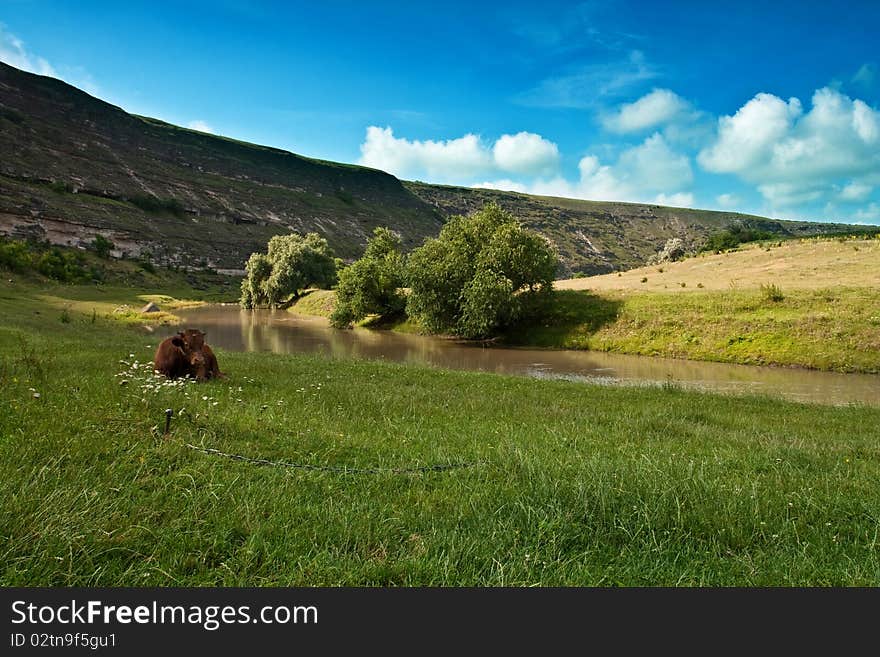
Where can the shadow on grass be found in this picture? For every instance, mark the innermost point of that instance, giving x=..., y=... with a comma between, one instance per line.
x=566, y=316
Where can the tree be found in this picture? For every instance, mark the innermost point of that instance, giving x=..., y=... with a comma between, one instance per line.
x=371, y=285
x=477, y=276
x=292, y=263
x=101, y=246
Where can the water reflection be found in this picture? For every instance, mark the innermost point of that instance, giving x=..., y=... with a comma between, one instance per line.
x=231, y=328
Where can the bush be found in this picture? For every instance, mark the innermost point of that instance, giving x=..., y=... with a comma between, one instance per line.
x=371, y=285
x=101, y=246
x=772, y=293
x=62, y=266
x=733, y=236
x=476, y=276
x=292, y=263
x=14, y=255
x=156, y=205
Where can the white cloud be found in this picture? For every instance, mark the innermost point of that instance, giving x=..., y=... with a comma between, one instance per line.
x=794, y=157
x=201, y=126
x=526, y=153
x=659, y=107
x=649, y=173
x=459, y=160
x=451, y=160
x=14, y=53
x=505, y=185
x=591, y=84
x=679, y=200
x=866, y=75
x=727, y=200
x=855, y=191
x=870, y=214
x=745, y=138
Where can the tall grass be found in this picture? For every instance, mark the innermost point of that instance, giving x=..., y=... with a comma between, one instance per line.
x=571, y=483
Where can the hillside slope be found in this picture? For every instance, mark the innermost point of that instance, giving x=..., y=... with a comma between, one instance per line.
x=810, y=264
x=74, y=166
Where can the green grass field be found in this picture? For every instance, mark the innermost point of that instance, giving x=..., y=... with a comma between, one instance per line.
x=566, y=483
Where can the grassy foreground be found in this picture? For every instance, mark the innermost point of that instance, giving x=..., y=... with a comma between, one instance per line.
x=568, y=484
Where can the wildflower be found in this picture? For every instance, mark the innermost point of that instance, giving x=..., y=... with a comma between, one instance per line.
x=36, y=395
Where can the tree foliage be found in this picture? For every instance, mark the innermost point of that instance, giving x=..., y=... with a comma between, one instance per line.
x=292, y=263
x=101, y=246
x=371, y=285
x=479, y=275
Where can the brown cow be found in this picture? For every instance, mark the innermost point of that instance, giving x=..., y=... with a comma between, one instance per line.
x=186, y=354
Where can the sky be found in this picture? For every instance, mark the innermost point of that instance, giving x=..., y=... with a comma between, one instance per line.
x=762, y=107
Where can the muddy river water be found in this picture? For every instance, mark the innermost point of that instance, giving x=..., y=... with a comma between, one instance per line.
x=231, y=328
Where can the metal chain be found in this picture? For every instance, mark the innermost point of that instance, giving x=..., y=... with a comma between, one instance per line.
x=439, y=467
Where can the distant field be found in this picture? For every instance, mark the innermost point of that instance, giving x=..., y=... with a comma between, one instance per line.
x=807, y=264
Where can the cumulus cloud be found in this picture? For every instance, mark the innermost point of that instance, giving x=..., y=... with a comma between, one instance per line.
x=659, y=107
x=461, y=159
x=201, y=126
x=745, y=139
x=452, y=159
x=650, y=172
x=796, y=157
x=526, y=153
x=14, y=53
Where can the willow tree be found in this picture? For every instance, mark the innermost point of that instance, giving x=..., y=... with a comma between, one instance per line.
x=292, y=263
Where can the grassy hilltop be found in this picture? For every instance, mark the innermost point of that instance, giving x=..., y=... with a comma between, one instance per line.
x=74, y=166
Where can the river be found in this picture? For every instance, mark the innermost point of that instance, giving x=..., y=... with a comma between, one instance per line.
x=231, y=328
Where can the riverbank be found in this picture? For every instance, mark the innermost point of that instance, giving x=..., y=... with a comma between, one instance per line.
x=812, y=304
x=561, y=484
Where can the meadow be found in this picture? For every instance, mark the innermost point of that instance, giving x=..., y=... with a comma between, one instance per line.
x=549, y=482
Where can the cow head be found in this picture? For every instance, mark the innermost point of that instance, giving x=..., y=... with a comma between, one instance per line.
x=191, y=342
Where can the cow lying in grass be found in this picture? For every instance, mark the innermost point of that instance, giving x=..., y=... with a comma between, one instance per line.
x=186, y=354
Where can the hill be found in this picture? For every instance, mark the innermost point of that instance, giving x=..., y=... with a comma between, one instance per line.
x=809, y=264
x=808, y=303
x=75, y=166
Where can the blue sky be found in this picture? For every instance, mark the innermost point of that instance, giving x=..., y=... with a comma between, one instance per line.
x=764, y=107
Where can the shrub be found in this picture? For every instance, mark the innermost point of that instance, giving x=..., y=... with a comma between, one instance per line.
x=101, y=246
x=772, y=293
x=14, y=255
